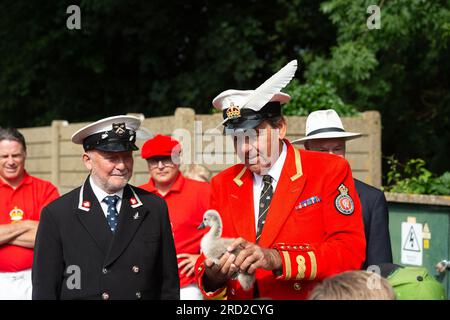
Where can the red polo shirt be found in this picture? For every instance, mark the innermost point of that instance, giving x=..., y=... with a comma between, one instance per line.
x=187, y=201
x=23, y=203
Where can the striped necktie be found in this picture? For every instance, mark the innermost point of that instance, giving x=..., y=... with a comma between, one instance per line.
x=264, y=203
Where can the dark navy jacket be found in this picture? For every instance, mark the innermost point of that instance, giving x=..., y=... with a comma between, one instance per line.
x=376, y=224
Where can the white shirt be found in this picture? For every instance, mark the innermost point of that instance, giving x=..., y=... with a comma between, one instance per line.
x=100, y=194
x=258, y=183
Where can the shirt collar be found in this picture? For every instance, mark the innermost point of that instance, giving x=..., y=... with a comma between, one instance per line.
x=176, y=187
x=178, y=184
x=275, y=170
x=27, y=179
x=101, y=194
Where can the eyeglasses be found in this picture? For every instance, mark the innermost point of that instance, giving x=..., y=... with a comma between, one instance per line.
x=165, y=162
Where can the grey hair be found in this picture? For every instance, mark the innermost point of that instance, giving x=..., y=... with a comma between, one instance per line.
x=13, y=134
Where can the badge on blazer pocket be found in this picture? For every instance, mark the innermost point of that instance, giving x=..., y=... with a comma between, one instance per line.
x=308, y=202
x=343, y=202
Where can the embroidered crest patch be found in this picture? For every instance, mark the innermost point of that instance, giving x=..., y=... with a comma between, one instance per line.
x=343, y=202
x=119, y=128
x=16, y=214
x=233, y=112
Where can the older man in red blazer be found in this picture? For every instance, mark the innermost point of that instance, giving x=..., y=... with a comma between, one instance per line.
x=295, y=214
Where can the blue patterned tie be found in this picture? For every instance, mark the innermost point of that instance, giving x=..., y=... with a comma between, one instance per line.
x=112, y=216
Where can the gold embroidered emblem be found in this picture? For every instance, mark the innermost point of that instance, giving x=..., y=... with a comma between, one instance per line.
x=233, y=112
x=16, y=215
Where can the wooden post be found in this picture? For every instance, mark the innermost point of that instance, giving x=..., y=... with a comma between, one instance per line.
x=141, y=116
x=373, y=120
x=184, y=132
x=55, y=150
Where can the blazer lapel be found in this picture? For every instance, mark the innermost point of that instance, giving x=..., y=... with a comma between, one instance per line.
x=131, y=215
x=289, y=187
x=91, y=216
x=241, y=201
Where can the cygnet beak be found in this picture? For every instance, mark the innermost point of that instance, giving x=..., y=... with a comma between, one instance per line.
x=201, y=226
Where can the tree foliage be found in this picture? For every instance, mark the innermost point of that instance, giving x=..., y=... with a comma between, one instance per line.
x=402, y=70
x=315, y=95
x=144, y=56
x=414, y=177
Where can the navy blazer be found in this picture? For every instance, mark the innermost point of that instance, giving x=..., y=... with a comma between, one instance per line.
x=137, y=262
x=376, y=224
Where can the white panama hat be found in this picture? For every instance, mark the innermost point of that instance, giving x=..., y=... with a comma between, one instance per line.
x=325, y=124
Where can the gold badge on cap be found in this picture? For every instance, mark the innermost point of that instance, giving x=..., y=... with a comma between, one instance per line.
x=119, y=128
x=16, y=215
x=233, y=112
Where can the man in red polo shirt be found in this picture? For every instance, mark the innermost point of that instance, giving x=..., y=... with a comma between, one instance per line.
x=187, y=201
x=21, y=201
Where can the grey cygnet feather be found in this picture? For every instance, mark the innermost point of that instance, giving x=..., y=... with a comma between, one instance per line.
x=214, y=247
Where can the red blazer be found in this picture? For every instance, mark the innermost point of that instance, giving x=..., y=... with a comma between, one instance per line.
x=314, y=221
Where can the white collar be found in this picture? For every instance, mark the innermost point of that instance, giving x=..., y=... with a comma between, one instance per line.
x=275, y=170
x=100, y=194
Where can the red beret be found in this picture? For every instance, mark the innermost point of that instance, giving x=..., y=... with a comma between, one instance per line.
x=160, y=146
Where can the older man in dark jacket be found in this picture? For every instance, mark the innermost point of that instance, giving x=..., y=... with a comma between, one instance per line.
x=106, y=239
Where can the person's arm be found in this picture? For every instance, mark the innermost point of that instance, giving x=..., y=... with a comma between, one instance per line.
x=252, y=257
x=186, y=265
x=170, y=288
x=211, y=278
x=9, y=232
x=27, y=238
x=48, y=263
x=343, y=245
x=214, y=279
x=216, y=275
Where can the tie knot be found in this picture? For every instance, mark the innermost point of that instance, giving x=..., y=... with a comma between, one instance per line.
x=111, y=199
x=267, y=179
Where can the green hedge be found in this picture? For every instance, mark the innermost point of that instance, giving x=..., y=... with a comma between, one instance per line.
x=413, y=177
